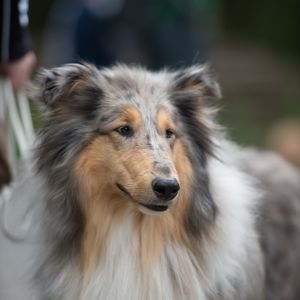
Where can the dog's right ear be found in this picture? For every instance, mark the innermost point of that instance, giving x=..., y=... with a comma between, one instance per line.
x=54, y=87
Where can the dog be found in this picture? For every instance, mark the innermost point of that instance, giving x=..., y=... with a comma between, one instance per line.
x=143, y=195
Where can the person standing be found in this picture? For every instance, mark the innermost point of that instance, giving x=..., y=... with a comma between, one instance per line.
x=17, y=60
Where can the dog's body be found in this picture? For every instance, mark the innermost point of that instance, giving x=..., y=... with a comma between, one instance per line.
x=145, y=198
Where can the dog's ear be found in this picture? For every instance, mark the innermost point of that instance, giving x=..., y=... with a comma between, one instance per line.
x=197, y=80
x=54, y=87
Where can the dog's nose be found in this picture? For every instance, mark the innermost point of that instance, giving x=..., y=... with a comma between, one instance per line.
x=165, y=188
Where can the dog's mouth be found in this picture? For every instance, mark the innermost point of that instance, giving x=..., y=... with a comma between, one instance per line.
x=151, y=207
x=122, y=189
x=158, y=208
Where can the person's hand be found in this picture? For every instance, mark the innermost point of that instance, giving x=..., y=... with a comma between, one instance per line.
x=19, y=71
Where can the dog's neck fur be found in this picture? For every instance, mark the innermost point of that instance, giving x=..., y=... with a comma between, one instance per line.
x=142, y=262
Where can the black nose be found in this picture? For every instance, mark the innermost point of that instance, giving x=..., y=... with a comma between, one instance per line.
x=165, y=188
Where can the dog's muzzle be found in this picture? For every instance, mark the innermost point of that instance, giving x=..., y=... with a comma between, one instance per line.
x=164, y=189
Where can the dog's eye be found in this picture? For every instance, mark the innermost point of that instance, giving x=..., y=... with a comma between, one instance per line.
x=169, y=133
x=125, y=131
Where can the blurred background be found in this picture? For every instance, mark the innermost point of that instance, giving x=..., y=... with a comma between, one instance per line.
x=253, y=46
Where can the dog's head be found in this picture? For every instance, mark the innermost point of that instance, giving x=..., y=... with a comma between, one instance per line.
x=127, y=135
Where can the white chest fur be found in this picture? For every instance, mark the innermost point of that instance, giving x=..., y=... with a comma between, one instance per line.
x=121, y=276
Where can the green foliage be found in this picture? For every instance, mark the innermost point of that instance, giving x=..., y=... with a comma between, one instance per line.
x=276, y=23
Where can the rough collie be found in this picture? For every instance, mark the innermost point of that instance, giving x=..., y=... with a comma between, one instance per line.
x=144, y=198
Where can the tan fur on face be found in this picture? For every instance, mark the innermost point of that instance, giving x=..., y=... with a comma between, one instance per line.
x=106, y=162
x=96, y=190
x=132, y=116
x=164, y=120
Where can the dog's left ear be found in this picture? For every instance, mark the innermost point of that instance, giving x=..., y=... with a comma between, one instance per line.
x=197, y=80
